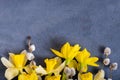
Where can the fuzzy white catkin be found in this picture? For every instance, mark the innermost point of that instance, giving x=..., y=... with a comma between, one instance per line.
x=30, y=56
x=73, y=72
x=109, y=79
x=106, y=61
x=107, y=51
x=67, y=71
x=32, y=48
x=114, y=66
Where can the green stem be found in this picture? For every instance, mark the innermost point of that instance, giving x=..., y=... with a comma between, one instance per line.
x=63, y=76
x=67, y=61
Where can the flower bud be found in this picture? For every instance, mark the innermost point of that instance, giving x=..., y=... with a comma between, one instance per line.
x=32, y=48
x=114, y=66
x=107, y=51
x=30, y=56
x=106, y=61
x=67, y=71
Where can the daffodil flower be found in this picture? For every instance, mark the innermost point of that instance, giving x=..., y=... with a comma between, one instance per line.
x=52, y=66
x=85, y=76
x=84, y=59
x=67, y=52
x=57, y=77
x=14, y=65
x=31, y=76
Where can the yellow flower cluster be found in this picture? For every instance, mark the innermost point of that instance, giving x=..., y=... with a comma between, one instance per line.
x=70, y=59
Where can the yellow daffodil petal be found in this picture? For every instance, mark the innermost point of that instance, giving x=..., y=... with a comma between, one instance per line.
x=57, y=53
x=59, y=69
x=85, y=76
x=68, y=52
x=24, y=76
x=94, y=64
x=50, y=64
x=6, y=63
x=65, y=49
x=73, y=55
x=59, y=61
x=91, y=61
x=10, y=73
x=18, y=59
x=73, y=64
x=74, y=51
x=84, y=54
x=53, y=77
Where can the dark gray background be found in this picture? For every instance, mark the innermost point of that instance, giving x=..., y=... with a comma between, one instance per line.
x=93, y=24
